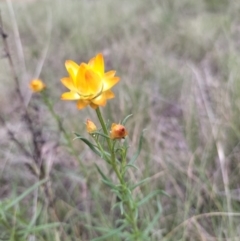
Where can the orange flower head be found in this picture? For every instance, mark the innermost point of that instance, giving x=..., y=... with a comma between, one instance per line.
x=89, y=84
x=91, y=127
x=118, y=131
x=36, y=85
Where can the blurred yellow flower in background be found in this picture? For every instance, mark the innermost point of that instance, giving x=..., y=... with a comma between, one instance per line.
x=36, y=85
x=88, y=83
x=118, y=131
x=91, y=127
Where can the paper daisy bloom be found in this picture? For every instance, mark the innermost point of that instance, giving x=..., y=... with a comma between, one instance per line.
x=118, y=131
x=36, y=85
x=91, y=127
x=88, y=83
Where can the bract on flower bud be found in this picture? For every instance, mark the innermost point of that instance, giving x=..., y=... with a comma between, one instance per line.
x=118, y=131
x=36, y=85
x=91, y=127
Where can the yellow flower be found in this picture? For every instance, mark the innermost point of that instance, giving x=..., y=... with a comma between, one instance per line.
x=91, y=127
x=36, y=85
x=88, y=83
x=118, y=131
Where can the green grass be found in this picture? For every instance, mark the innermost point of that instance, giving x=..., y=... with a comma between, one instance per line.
x=179, y=67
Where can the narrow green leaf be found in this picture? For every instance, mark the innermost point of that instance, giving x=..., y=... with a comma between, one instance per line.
x=151, y=195
x=87, y=142
x=135, y=156
x=23, y=195
x=107, y=154
x=126, y=119
x=130, y=165
x=119, y=222
x=127, y=166
x=40, y=228
x=140, y=183
x=108, y=184
x=125, y=144
x=120, y=205
x=102, y=134
x=33, y=221
x=102, y=174
x=121, y=208
x=154, y=220
x=116, y=204
x=13, y=234
x=109, y=233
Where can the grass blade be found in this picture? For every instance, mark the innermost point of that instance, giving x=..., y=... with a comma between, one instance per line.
x=135, y=156
x=23, y=195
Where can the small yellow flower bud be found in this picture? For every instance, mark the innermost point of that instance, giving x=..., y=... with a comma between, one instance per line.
x=91, y=127
x=36, y=85
x=118, y=131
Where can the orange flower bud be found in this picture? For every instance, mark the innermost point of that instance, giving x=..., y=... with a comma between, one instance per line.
x=36, y=85
x=91, y=127
x=118, y=131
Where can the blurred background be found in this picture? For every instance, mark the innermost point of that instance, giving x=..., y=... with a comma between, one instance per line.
x=179, y=67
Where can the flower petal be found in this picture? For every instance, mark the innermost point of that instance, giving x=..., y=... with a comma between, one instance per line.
x=113, y=124
x=108, y=83
x=94, y=106
x=91, y=62
x=82, y=104
x=110, y=74
x=70, y=96
x=72, y=68
x=80, y=81
x=67, y=82
x=91, y=85
x=109, y=94
x=100, y=100
x=97, y=64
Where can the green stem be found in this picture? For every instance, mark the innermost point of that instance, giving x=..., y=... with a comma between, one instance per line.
x=55, y=116
x=61, y=128
x=110, y=146
x=101, y=149
x=130, y=215
x=104, y=127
